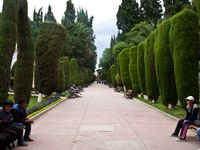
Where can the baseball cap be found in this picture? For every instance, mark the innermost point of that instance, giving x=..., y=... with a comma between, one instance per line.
x=190, y=98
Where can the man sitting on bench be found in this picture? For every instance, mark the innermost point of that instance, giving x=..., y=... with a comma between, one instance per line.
x=183, y=124
x=75, y=91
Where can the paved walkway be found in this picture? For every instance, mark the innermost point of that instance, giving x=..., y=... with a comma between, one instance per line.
x=104, y=120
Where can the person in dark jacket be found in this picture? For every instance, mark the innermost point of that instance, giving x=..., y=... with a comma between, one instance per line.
x=5, y=123
x=4, y=138
x=20, y=118
x=183, y=124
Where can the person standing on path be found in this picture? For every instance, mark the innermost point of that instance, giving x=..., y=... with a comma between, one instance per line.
x=183, y=124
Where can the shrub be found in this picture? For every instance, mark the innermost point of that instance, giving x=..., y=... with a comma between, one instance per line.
x=74, y=75
x=124, y=58
x=133, y=70
x=113, y=69
x=150, y=73
x=141, y=67
x=184, y=46
x=164, y=65
x=49, y=44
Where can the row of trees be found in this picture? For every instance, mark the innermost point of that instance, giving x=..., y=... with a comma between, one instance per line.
x=59, y=62
x=151, y=35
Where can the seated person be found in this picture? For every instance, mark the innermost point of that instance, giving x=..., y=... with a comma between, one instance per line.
x=183, y=124
x=5, y=123
x=20, y=118
x=198, y=134
x=4, y=138
x=74, y=91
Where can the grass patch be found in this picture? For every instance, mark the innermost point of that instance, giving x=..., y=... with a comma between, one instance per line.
x=178, y=111
x=33, y=101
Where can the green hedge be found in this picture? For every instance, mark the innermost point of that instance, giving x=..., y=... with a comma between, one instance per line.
x=198, y=9
x=61, y=79
x=150, y=73
x=184, y=46
x=141, y=67
x=25, y=57
x=164, y=65
x=133, y=70
x=67, y=71
x=113, y=69
x=124, y=58
x=8, y=38
x=74, y=75
x=49, y=43
x=83, y=74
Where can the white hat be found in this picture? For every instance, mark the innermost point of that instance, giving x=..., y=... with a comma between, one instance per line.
x=190, y=98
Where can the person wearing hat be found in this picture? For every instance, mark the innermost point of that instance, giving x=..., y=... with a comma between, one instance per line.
x=183, y=124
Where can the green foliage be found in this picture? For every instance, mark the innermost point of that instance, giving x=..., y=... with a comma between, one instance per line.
x=113, y=70
x=164, y=65
x=49, y=44
x=91, y=75
x=118, y=48
x=124, y=58
x=74, y=75
x=184, y=46
x=150, y=73
x=198, y=9
x=118, y=80
x=174, y=7
x=141, y=67
x=25, y=58
x=104, y=61
x=128, y=15
x=61, y=78
x=133, y=70
x=8, y=34
x=49, y=15
x=67, y=71
x=69, y=14
x=151, y=9
x=83, y=74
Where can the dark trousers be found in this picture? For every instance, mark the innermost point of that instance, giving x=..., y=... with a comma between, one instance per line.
x=183, y=126
x=13, y=131
x=4, y=141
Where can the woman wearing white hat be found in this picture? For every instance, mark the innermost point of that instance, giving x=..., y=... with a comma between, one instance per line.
x=183, y=124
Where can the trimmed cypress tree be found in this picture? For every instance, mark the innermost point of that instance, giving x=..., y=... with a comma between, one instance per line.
x=8, y=36
x=141, y=67
x=25, y=58
x=164, y=65
x=184, y=46
x=124, y=58
x=198, y=9
x=61, y=78
x=133, y=70
x=150, y=72
x=74, y=75
x=91, y=75
x=49, y=44
x=113, y=69
x=118, y=80
x=67, y=71
x=83, y=74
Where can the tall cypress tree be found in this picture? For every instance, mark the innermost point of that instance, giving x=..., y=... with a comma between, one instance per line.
x=152, y=9
x=49, y=44
x=25, y=57
x=49, y=15
x=128, y=15
x=172, y=7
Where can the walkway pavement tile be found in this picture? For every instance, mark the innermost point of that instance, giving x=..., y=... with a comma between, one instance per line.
x=104, y=120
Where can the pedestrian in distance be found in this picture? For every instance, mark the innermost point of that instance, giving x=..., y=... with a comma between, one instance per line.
x=183, y=124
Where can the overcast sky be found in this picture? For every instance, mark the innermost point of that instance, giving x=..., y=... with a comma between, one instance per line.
x=104, y=12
